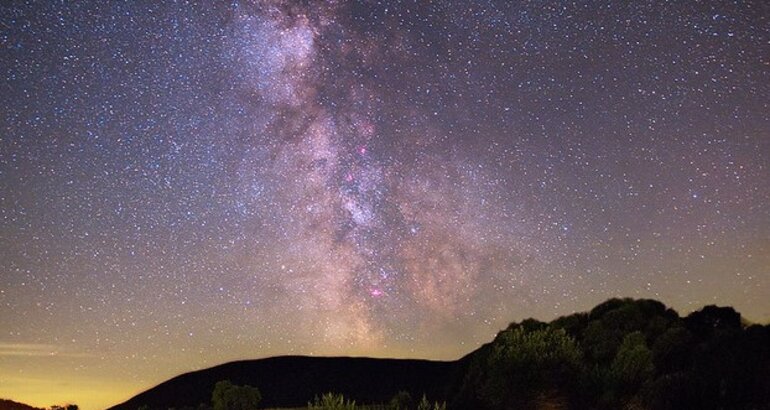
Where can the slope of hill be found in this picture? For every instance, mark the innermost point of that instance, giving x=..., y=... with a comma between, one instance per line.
x=6, y=404
x=292, y=381
x=624, y=353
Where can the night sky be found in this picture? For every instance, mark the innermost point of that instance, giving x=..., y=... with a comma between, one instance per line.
x=186, y=184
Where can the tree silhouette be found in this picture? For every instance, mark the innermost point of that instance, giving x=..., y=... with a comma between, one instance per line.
x=227, y=396
x=633, y=363
x=402, y=401
x=524, y=363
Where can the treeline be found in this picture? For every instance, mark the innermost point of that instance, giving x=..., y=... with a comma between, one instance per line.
x=624, y=353
x=228, y=396
x=6, y=404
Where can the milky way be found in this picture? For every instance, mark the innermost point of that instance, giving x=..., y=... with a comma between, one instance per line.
x=187, y=184
x=370, y=229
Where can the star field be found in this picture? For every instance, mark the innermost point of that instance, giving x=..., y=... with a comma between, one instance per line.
x=188, y=183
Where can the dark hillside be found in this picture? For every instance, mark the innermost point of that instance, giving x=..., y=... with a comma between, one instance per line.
x=6, y=404
x=292, y=381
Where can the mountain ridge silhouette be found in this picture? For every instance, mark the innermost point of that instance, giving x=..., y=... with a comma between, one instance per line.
x=294, y=380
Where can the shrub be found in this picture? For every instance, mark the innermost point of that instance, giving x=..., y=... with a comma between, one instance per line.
x=523, y=363
x=426, y=405
x=331, y=401
x=227, y=396
x=402, y=401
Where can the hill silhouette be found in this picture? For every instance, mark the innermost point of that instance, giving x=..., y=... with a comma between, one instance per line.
x=6, y=404
x=292, y=381
x=624, y=353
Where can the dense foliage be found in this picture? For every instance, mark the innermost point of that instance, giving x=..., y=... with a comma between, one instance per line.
x=227, y=396
x=623, y=354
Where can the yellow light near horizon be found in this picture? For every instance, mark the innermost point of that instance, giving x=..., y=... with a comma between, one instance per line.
x=87, y=393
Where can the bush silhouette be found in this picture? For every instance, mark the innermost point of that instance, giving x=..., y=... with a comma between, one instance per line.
x=523, y=363
x=227, y=396
x=424, y=404
x=633, y=363
x=402, y=401
x=331, y=401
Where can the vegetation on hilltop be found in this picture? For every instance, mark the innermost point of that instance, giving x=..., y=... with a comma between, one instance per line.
x=625, y=353
x=6, y=404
